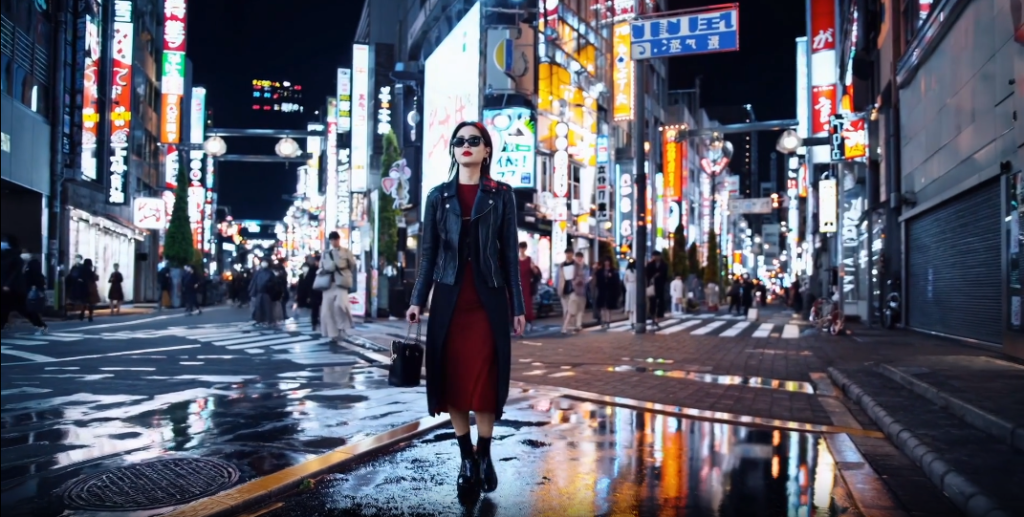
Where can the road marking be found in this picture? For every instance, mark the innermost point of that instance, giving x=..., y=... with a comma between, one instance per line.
x=96, y=356
x=260, y=344
x=682, y=326
x=245, y=338
x=764, y=330
x=23, y=342
x=25, y=391
x=708, y=328
x=736, y=329
x=790, y=332
x=35, y=358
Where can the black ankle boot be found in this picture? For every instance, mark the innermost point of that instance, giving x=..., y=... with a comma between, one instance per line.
x=469, y=475
x=488, y=476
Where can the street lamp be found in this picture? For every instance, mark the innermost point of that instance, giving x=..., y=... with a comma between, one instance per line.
x=215, y=146
x=287, y=148
x=789, y=142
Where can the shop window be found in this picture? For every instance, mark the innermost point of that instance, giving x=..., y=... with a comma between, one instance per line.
x=7, y=74
x=18, y=90
x=39, y=100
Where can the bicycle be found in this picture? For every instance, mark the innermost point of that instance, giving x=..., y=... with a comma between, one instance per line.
x=826, y=315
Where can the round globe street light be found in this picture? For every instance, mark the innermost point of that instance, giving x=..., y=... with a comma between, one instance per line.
x=789, y=142
x=287, y=148
x=215, y=146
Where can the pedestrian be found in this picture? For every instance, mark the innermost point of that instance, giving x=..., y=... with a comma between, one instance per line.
x=76, y=291
x=116, y=292
x=305, y=296
x=734, y=296
x=281, y=274
x=797, y=297
x=468, y=259
x=527, y=281
x=747, y=294
x=190, y=291
x=335, y=311
x=163, y=280
x=657, y=282
x=572, y=287
x=259, y=292
x=607, y=284
x=89, y=279
x=629, y=305
x=19, y=282
x=678, y=293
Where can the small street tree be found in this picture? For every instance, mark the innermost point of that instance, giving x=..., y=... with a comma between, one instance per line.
x=387, y=236
x=680, y=264
x=178, y=249
x=712, y=269
x=693, y=259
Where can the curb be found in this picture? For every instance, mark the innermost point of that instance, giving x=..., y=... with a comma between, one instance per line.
x=861, y=483
x=983, y=420
x=965, y=495
x=264, y=490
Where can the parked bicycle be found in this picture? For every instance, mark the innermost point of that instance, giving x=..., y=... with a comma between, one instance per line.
x=826, y=315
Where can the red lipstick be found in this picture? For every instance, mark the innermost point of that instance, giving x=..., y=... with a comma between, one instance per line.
x=467, y=153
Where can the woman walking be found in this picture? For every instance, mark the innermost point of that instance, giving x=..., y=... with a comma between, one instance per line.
x=116, y=292
x=607, y=282
x=87, y=275
x=467, y=256
x=305, y=296
x=336, y=313
x=526, y=279
x=629, y=280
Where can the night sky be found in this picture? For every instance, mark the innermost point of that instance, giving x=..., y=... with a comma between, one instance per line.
x=305, y=42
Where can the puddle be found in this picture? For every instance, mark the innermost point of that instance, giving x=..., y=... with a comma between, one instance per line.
x=726, y=380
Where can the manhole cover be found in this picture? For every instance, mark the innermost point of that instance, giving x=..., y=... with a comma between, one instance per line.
x=150, y=485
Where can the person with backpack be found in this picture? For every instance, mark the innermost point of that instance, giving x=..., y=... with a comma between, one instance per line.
x=260, y=291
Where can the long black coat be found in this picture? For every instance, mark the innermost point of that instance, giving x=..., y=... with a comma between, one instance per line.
x=495, y=299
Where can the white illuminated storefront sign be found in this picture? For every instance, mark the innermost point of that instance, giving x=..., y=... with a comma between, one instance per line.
x=196, y=166
x=331, y=206
x=384, y=111
x=121, y=105
x=828, y=206
x=344, y=100
x=360, y=117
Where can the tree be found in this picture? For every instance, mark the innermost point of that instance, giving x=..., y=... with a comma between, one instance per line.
x=693, y=260
x=680, y=266
x=387, y=226
x=178, y=249
x=711, y=270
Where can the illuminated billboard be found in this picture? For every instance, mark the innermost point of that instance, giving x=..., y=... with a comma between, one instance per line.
x=514, y=132
x=449, y=98
x=281, y=96
x=344, y=100
x=622, y=73
x=360, y=118
x=90, y=99
x=197, y=174
x=121, y=105
x=331, y=208
x=172, y=78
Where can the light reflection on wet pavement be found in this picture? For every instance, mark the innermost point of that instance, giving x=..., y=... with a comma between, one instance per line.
x=258, y=425
x=557, y=457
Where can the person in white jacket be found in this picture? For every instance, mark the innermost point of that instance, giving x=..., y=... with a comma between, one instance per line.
x=676, y=290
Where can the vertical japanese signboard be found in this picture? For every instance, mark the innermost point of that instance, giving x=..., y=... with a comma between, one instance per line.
x=822, y=40
x=673, y=164
x=197, y=169
x=344, y=100
x=121, y=102
x=360, y=117
x=90, y=99
x=331, y=190
x=622, y=73
x=172, y=80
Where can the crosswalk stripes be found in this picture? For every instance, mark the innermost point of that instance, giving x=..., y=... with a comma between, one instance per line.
x=728, y=326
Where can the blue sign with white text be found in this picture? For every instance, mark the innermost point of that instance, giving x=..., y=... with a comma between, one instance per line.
x=686, y=34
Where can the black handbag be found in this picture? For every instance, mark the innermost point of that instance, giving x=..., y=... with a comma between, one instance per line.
x=406, y=360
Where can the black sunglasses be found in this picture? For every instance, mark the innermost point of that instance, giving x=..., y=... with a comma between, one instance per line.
x=473, y=141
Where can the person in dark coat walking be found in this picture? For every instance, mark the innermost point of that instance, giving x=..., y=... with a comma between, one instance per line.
x=18, y=282
x=608, y=284
x=735, y=295
x=747, y=296
x=468, y=258
x=305, y=296
x=190, y=283
x=657, y=275
x=116, y=292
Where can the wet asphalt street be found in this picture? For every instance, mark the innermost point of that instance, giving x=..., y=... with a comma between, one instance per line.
x=559, y=457
x=131, y=391
x=86, y=398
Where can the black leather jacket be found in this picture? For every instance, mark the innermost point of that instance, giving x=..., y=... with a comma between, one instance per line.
x=495, y=213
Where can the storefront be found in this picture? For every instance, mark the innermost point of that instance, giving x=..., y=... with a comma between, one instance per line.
x=106, y=242
x=953, y=284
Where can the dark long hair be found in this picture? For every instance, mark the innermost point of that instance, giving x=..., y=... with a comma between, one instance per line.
x=485, y=167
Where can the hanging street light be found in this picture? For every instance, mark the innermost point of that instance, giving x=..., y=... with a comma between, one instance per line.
x=287, y=148
x=215, y=146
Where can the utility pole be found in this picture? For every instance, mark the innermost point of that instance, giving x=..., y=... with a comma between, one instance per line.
x=640, y=184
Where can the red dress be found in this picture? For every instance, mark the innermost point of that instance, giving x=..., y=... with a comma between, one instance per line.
x=526, y=281
x=471, y=369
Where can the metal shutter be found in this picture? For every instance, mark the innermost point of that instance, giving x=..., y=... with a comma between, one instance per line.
x=954, y=269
